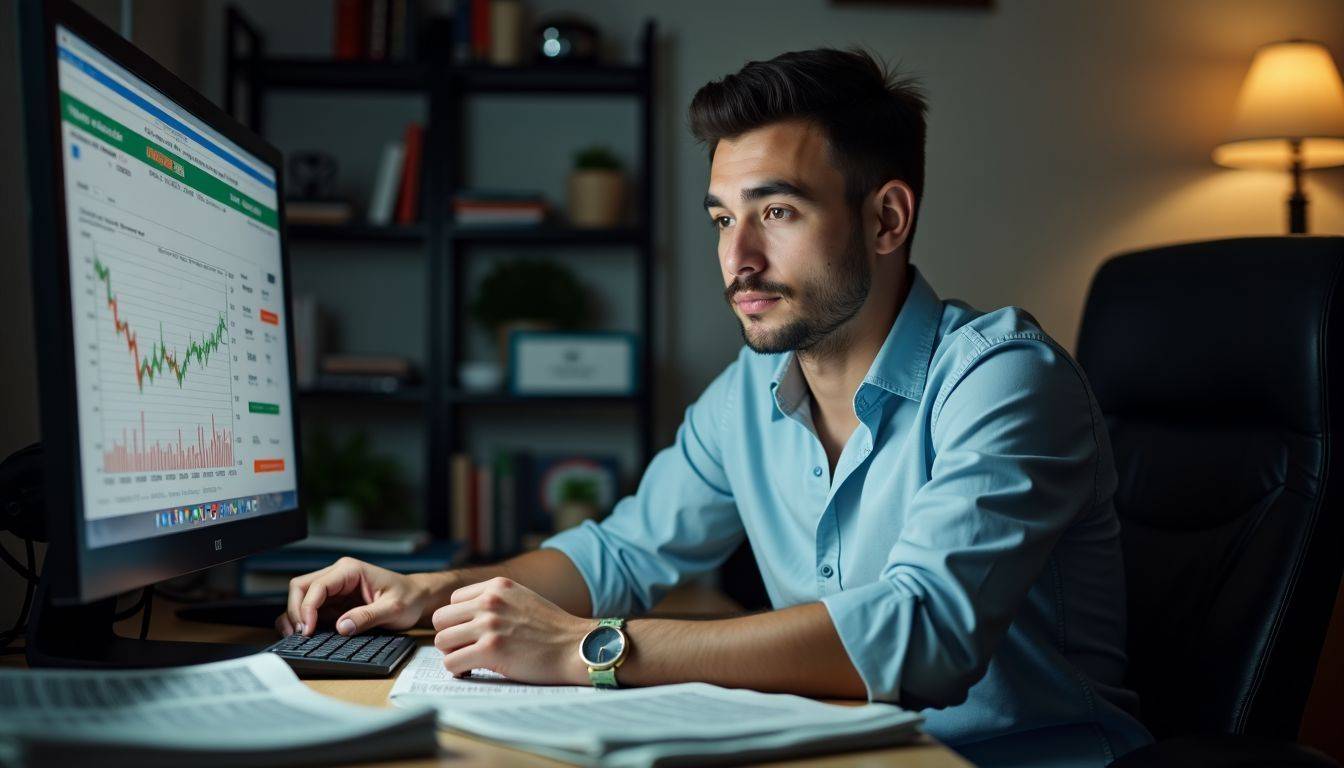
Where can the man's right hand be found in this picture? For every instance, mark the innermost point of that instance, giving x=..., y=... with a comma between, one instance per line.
x=358, y=595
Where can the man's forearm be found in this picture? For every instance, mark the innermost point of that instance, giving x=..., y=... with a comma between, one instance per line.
x=794, y=650
x=547, y=572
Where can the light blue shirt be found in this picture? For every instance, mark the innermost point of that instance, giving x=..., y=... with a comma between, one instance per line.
x=966, y=547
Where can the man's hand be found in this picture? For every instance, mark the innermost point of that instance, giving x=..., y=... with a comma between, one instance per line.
x=505, y=627
x=363, y=596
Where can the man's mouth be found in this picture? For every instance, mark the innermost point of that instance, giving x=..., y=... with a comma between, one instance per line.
x=752, y=303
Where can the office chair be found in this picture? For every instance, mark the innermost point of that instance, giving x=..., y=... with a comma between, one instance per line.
x=1218, y=367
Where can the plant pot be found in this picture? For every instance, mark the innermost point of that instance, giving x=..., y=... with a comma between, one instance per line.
x=339, y=517
x=572, y=513
x=596, y=198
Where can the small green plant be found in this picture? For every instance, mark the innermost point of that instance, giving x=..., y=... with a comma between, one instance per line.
x=349, y=470
x=530, y=289
x=596, y=159
x=578, y=490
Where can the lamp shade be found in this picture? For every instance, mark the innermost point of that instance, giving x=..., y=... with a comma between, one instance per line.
x=1291, y=93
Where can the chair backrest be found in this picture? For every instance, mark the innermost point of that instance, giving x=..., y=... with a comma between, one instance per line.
x=1217, y=366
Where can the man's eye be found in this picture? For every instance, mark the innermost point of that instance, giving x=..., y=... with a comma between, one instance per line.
x=719, y=222
x=776, y=212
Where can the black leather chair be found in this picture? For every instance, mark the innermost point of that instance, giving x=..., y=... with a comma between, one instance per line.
x=1218, y=367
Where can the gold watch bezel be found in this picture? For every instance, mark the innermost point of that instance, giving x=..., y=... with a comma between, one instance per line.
x=614, y=663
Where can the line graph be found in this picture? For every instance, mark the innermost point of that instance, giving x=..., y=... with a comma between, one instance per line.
x=171, y=407
x=159, y=357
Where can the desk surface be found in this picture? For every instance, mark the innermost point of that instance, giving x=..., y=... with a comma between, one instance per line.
x=457, y=750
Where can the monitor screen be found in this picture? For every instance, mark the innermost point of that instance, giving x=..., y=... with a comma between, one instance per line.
x=180, y=348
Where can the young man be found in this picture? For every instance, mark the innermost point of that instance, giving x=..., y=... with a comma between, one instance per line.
x=927, y=488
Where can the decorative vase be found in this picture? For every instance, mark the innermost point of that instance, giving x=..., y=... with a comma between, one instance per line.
x=596, y=197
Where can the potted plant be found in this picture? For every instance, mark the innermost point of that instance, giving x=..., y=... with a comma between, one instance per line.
x=348, y=488
x=528, y=294
x=596, y=189
x=578, y=502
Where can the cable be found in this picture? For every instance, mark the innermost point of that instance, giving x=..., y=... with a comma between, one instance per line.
x=149, y=605
x=13, y=562
x=21, y=623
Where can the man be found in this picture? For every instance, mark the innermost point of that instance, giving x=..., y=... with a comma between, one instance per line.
x=927, y=489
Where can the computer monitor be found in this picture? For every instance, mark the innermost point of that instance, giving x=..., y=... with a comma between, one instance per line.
x=165, y=354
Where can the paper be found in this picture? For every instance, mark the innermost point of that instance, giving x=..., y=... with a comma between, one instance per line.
x=692, y=723
x=251, y=703
x=425, y=675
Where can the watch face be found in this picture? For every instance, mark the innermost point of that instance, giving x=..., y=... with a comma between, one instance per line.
x=602, y=646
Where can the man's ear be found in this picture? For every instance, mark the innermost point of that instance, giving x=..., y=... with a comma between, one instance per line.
x=894, y=204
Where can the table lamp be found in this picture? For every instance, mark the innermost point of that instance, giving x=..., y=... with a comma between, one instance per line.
x=1290, y=114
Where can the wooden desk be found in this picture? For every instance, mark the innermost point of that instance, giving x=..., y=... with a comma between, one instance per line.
x=457, y=750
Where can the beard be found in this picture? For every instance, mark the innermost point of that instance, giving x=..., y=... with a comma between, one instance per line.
x=823, y=306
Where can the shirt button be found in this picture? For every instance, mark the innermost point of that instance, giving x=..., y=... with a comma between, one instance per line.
x=826, y=571
x=816, y=471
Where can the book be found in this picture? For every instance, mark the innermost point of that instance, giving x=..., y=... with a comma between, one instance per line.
x=382, y=202
x=350, y=35
x=318, y=212
x=379, y=11
x=408, y=196
x=460, y=509
x=480, y=30
x=249, y=711
x=370, y=365
x=307, y=322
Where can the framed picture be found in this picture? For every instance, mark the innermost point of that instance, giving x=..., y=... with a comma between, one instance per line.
x=573, y=363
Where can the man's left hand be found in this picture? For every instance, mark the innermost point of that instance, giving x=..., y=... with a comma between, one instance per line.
x=505, y=627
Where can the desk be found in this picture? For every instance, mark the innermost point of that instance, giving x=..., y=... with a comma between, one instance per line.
x=462, y=751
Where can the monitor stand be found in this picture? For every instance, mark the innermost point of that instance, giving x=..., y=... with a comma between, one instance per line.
x=83, y=636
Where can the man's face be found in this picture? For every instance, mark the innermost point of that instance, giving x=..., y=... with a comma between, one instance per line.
x=794, y=260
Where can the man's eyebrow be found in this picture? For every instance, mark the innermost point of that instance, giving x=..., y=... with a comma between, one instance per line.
x=768, y=189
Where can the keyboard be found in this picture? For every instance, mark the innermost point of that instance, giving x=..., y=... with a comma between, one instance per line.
x=328, y=654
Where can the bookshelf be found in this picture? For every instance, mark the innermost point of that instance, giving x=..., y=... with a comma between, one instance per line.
x=445, y=249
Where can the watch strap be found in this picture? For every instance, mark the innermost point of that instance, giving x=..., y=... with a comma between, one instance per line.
x=603, y=678
x=617, y=623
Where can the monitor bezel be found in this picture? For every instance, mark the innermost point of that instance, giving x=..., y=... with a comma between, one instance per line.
x=79, y=573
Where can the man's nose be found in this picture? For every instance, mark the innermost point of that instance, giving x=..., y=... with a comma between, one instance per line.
x=742, y=253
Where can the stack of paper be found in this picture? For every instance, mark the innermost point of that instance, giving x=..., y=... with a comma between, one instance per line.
x=687, y=724
x=251, y=711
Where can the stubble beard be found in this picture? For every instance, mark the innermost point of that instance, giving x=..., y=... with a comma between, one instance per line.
x=824, y=307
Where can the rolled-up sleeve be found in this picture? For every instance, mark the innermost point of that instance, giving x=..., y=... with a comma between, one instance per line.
x=1016, y=449
x=682, y=520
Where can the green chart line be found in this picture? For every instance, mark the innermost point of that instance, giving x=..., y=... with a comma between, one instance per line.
x=159, y=358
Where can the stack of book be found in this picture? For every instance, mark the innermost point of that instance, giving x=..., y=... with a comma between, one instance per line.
x=381, y=374
x=376, y=30
x=508, y=504
x=495, y=208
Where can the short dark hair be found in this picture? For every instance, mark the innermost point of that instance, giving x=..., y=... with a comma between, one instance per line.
x=872, y=117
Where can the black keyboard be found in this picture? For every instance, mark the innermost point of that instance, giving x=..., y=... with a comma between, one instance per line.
x=328, y=654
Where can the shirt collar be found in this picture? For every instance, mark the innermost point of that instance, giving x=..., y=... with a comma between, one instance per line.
x=901, y=365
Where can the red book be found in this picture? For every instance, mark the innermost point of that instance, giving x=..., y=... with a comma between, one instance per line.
x=350, y=33
x=408, y=197
x=480, y=29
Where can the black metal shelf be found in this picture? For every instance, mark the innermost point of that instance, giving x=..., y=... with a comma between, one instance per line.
x=551, y=78
x=448, y=87
x=548, y=234
x=319, y=74
x=412, y=233
x=410, y=395
x=333, y=74
x=501, y=398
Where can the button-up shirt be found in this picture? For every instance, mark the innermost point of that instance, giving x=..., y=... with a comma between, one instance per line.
x=966, y=546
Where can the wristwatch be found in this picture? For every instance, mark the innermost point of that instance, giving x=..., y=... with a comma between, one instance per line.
x=604, y=649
